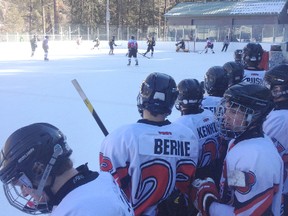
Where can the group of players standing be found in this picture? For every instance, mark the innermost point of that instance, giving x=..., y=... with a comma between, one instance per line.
x=228, y=165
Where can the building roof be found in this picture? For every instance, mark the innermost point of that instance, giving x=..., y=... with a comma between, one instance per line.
x=228, y=8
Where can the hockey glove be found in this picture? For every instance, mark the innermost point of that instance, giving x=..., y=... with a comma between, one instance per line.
x=204, y=192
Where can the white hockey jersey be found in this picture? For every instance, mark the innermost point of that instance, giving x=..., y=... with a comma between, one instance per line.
x=254, y=76
x=211, y=103
x=101, y=196
x=148, y=161
x=252, y=179
x=276, y=127
x=204, y=126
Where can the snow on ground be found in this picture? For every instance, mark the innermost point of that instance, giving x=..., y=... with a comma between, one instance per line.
x=32, y=90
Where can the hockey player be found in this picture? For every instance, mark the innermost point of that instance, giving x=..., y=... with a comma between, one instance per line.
x=97, y=43
x=209, y=45
x=79, y=41
x=150, y=43
x=111, y=45
x=234, y=71
x=252, y=56
x=149, y=158
x=215, y=83
x=39, y=177
x=276, y=124
x=33, y=43
x=252, y=175
x=45, y=47
x=132, y=50
x=201, y=121
x=226, y=43
x=181, y=46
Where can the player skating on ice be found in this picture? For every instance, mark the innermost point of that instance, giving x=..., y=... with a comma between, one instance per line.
x=252, y=177
x=226, y=43
x=39, y=177
x=148, y=156
x=33, y=43
x=150, y=46
x=180, y=46
x=209, y=45
x=45, y=47
x=97, y=43
x=276, y=123
x=111, y=45
x=132, y=50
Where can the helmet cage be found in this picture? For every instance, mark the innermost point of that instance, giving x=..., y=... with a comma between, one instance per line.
x=234, y=118
x=34, y=202
x=14, y=191
x=30, y=155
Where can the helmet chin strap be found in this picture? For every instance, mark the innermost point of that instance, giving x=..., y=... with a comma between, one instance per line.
x=57, y=151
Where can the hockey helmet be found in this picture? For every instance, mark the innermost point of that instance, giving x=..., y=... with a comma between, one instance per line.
x=276, y=79
x=252, y=55
x=190, y=95
x=216, y=81
x=158, y=94
x=235, y=72
x=244, y=105
x=30, y=155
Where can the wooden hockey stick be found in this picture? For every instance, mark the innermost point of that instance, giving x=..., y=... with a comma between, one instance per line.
x=89, y=106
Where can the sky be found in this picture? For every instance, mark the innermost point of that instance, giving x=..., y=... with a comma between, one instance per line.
x=33, y=90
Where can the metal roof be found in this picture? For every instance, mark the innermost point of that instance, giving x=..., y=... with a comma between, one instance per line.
x=227, y=8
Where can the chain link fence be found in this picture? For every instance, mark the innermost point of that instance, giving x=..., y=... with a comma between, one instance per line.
x=243, y=33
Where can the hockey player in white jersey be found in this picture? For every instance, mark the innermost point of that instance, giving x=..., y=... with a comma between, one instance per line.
x=201, y=121
x=215, y=83
x=252, y=177
x=276, y=124
x=153, y=156
x=252, y=56
x=39, y=178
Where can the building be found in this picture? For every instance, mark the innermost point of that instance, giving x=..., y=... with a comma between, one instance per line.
x=246, y=20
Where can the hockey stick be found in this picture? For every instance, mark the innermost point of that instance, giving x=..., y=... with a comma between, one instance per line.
x=89, y=106
x=143, y=55
x=202, y=51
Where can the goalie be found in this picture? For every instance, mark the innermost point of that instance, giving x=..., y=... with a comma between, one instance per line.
x=180, y=46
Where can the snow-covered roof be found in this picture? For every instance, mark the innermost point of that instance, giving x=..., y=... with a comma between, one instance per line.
x=245, y=7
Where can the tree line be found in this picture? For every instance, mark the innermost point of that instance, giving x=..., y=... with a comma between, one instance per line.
x=32, y=16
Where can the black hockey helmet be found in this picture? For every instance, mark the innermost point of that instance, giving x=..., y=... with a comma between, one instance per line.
x=47, y=37
x=252, y=55
x=252, y=100
x=238, y=55
x=132, y=37
x=190, y=95
x=30, y=155
x=276, y=79
x=235, y=72
x=216, y=81
x=158, y=94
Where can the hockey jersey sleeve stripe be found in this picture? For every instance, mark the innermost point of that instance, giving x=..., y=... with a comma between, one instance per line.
x=258, y=205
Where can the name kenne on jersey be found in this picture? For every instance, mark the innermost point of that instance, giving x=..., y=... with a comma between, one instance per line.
x=207, y=130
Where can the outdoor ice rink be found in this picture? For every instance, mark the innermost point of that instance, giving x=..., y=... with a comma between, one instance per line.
x=33, y=90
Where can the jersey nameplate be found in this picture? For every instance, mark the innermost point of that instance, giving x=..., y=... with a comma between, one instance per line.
x=164, y=146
